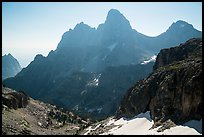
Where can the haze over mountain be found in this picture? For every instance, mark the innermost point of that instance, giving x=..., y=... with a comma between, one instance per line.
x=85, y=54
x=167, y=102
x=10, y=66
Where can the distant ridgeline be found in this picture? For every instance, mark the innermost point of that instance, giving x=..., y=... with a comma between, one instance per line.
x=91, y=69
x=10, y=66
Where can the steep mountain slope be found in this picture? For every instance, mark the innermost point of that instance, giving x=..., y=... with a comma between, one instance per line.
x=108, y=45
x=21, y=115
x=88, y=93
x=10, y=66
x=83, y=53
x=173, y=91
x=98, y=93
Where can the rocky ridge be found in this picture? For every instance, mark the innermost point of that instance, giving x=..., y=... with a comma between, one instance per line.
x=173, y=91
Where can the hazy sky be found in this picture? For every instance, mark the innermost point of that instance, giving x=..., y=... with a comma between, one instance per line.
x=31, y=28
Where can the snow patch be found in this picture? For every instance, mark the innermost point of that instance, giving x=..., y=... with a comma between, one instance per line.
x=111, y=121
x=99, y=109
x=90, y=129
x=84, y=91
x=94, y=82
x=111, y=47
x=141, y=124
x=152, y=59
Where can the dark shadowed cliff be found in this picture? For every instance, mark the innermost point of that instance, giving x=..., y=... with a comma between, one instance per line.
x=173, y=91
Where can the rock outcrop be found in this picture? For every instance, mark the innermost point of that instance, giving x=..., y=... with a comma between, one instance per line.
x=192, y=48
x=22, y=115
x=173, y=91
x=14, y=99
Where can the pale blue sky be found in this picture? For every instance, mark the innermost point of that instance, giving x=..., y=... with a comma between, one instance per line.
x=30, y=28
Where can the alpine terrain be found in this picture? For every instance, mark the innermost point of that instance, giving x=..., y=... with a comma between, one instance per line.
x=92, y=68
x=168, y=101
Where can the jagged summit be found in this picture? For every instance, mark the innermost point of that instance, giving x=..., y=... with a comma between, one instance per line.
x=8, y=55
x=81, y=25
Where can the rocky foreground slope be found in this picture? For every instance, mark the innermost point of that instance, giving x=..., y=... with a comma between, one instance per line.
x=21, y=115
x=173, y=92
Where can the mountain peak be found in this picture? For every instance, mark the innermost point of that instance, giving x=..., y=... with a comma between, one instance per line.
x=115, y=19
x=115, y=14
x=10, y=66
x=180, y=24
x=114, y=11
x=39, y=57
x=10, y=55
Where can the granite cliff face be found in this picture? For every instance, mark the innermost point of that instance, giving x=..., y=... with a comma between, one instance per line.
x=173, y=91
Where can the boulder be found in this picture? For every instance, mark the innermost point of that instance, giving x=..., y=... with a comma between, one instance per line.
x=14, y=99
